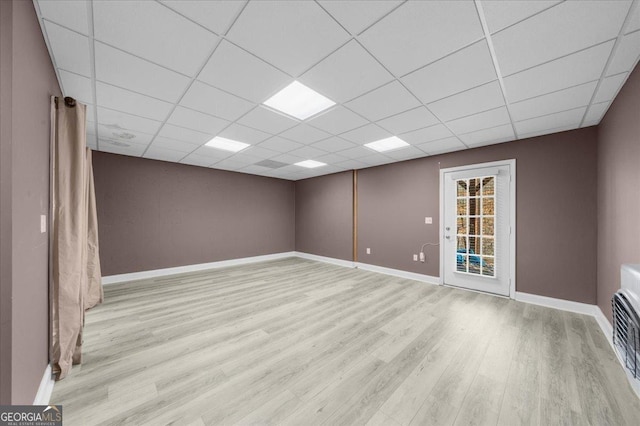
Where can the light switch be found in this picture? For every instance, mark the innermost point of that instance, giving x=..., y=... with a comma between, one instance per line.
x=43, y=223
x=428, y=220
x=368, y=250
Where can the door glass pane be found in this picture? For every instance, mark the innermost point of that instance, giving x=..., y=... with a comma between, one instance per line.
x=475, y=226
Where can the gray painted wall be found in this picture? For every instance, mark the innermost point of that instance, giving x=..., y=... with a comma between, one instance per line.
x=154, y=214
x=556, y=212
x=324, y=215
x=618, y=189
x=28, y=81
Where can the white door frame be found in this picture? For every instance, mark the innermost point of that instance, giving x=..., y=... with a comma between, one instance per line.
x=512, y=217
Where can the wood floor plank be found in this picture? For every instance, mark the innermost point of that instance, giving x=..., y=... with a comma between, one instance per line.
x=298, y=342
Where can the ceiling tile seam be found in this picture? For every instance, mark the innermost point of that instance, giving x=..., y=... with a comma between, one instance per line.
x=62, y=25
x=134, y=115
x=496, y=65
x=560, y=57
x=177, y=12
x=632, y=32
x=405, y=88
x=177, y=102
x=92, y=56
x=612, y=53
x=527, y=18
x=132, y=91
x=552, y=113
x=558, y=90
x=453, y=52
x=332, y=17
x=402, y=3
x=141, y=58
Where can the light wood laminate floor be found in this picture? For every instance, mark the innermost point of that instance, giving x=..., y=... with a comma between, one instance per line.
x=296, y=342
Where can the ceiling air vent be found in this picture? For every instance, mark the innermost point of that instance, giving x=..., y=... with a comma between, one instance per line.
x=270, y=164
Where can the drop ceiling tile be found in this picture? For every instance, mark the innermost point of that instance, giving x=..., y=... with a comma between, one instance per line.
x=123, y=121
x=596, y=112
x=186, y=135
x=378, y=160
x=407, y=121
x=626, y=55
x=92, y=141
x=352, y=165
x=482, y=98
x=267, y=120
x=333, y=144
x=357, y=153
x=241, y=73
x=260, y=152
x=211, y=153
x=308, y=152
x=569, y=71
x=559, y=31
x=338, y=120
x=210, y=100
x=70, y=50
x=163, y=154
x=405, y=153
x=133, y=103
x=366, y=134
x=609, y=87
x=289, y=159
x=205, y=123
x=561, y=100
x=383, y=102
x=290, y=35
x=243, y=158
x=68, y=13
x=125, y=136
x=121, y=69
x=279, y=144
x=305, y=134
x=331, y=158
x=551, y=121
x=489, y=136
x=484, y=120
x=229, y=164
x=443, y=145
x=217, y=16
x=141, y=28
x=76, y=86
x=467, y=68
x=195, y=160
x=357, y=15
x=131, y=150
x=404, y=39
x=90, y=112
x=244, y=134
x=501, y=14
x=428, y=134
x=634, y=21
x=346, y=73
x=174, y=145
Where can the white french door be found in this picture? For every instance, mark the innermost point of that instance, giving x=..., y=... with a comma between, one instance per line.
x=478, y=235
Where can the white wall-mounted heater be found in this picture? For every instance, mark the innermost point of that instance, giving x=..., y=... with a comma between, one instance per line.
x=626, y=321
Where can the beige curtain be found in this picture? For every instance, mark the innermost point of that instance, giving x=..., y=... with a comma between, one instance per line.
x=75, y=264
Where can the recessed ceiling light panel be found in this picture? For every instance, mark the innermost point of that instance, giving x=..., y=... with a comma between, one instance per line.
x=310, y=164
x=388, y=144
x=299, y=101
x=226, y=144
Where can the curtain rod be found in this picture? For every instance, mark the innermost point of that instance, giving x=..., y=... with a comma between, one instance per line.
x=68, y=101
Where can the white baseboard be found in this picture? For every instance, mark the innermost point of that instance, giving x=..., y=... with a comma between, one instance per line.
x=550, y=302
x=399, y=273
x=332, y=260
x=133, y=276
x=45, y=389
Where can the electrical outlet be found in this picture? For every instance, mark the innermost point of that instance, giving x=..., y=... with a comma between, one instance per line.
x=43, y=223
x=428, y=220
x=415, y=257
x=422, y=257
x=368, y=250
